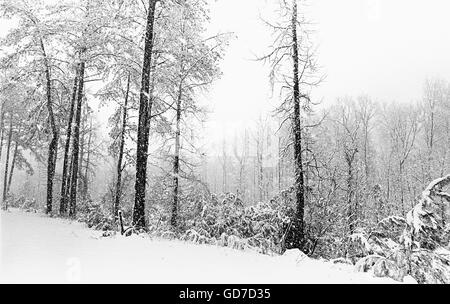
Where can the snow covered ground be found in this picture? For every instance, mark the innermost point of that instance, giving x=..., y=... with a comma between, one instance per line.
x=38, y=249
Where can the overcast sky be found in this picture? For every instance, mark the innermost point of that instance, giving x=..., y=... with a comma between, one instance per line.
x=383, y=48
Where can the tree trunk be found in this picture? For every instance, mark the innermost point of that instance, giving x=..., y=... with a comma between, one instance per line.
x=352, y=205
x=121, y=151
x=297, y=228
x=76, y=144
x=2, y=135
x=176, y=163
x=65, y=179
x=280, y=165
x=81, y=154
x=13, y=164
x=88, y=161
x=144, y=122
x=431, y=145
x=224, y=167
x=53, y=146
x=5, y=179
x=69, y=181
x=260, y=151
x=402, y=191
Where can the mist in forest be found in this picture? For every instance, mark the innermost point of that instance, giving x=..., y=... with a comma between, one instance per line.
x=322, y=126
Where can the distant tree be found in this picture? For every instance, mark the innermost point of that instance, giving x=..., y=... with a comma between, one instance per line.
x=350, y=128
x=195, y=68
x=402, y=125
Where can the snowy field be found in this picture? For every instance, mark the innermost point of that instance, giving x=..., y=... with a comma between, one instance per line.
x=37, y=249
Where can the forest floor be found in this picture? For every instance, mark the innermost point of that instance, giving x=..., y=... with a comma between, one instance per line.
x=38, y=249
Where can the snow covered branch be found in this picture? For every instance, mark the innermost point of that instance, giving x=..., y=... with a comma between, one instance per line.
x=423, y=218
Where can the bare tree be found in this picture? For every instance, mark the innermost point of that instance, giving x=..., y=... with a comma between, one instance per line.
x=64, y=183
x=292, y=50
x=402, y=124
x=8, y=148
x=145, y=110
x=350, y=124
x=224, y=163
x=121, y=151
x=241, y=154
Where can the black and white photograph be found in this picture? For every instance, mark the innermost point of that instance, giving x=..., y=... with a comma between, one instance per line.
x=224, y=143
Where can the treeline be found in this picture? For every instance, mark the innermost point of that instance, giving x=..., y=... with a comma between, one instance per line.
x=364, y=160
x=150, y=60
x=310, y=178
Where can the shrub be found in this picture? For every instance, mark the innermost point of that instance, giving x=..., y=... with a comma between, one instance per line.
x=95, y=216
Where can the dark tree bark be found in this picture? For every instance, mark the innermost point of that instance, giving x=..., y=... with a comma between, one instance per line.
x=53, y=146
x=64, y=185
x=260, y=168
x=88, y=161
x=402, y=190
x=176, y=162
x=2, y=135
x=76, y=144
x=145, y=107
x=69, y=181
x=81, y=154
x=352, y=204
x=13, y=164
x=5, y=179
x=116, y=206
x=297, y=227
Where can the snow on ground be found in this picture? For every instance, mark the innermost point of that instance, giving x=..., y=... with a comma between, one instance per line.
x=38, y=249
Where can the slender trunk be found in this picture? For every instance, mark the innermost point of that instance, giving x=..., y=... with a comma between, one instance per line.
x=431, y=146
x=65, y=178
x=144, y=122
x=53, y=146
x=176, y=162
x=76, y=144
x=81, y=155
x=298, y=222
x=402, y=195
x=5, y=179
x=88, y=160
x=388, y=189
x=367, y=179
x=280, y=165
x=224, y=168
x=13, y=164
x=1, y=143
x=121, y=151
x=2, y=125
x=260, y=170
x=241, y=176
x=69, y=181
x=52, y=155
x=255, y=178
x=351, y=203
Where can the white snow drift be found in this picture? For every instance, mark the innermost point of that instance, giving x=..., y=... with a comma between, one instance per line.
x=38, y=249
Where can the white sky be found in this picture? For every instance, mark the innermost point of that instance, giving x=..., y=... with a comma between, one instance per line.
x=383, y=48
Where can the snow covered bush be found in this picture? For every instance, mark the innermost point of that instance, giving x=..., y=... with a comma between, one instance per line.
x=95, y=216
x=223, y=220
x=430, y=267
x=21, y=202
x=416, y=246
x=199, y=238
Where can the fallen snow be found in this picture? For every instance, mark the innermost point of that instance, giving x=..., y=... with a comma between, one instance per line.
x=38, y=249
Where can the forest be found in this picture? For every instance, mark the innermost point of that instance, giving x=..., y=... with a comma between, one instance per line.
x=356, y=181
